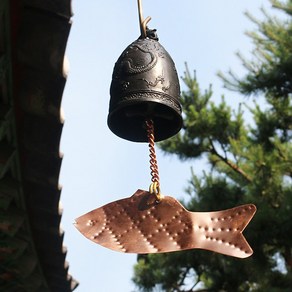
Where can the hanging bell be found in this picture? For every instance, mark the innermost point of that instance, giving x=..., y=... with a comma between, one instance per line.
x=144, y=85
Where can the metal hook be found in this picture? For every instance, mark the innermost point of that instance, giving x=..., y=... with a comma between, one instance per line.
x=143, y=22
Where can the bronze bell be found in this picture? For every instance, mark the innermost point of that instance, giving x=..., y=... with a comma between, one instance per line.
x=144, y=85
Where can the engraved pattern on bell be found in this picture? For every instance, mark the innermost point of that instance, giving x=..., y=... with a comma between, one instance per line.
x=144, y=85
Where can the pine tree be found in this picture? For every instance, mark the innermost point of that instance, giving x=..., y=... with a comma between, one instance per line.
x=249, y=163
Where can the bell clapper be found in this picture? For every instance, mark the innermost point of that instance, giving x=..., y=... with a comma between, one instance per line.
x=155, y=185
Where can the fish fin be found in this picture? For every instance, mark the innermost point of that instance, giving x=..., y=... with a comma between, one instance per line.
x=221, y=231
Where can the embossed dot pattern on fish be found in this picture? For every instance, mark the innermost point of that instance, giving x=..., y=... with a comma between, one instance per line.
x=140, y=224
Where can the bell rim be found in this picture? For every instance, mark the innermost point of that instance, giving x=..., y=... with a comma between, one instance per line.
x=132, y=135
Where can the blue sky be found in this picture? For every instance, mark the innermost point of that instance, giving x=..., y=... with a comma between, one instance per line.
x=98, y=167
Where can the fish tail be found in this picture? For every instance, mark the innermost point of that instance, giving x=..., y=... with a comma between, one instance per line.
x=221, y=231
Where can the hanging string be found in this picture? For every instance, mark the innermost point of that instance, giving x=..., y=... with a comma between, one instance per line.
x=143, y=22
x=155, y=185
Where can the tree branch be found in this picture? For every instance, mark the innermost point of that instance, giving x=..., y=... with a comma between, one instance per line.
x=183, y=276
x=194, y=286
x=229, y=163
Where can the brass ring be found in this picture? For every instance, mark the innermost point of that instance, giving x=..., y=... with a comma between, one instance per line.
x=155, y=190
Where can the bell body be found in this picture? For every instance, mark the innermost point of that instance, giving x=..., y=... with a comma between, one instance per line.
x=144, y=85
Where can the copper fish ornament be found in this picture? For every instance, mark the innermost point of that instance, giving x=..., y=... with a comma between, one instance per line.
x=141, y=224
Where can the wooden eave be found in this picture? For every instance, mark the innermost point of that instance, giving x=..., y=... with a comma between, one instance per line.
x=33, y=38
